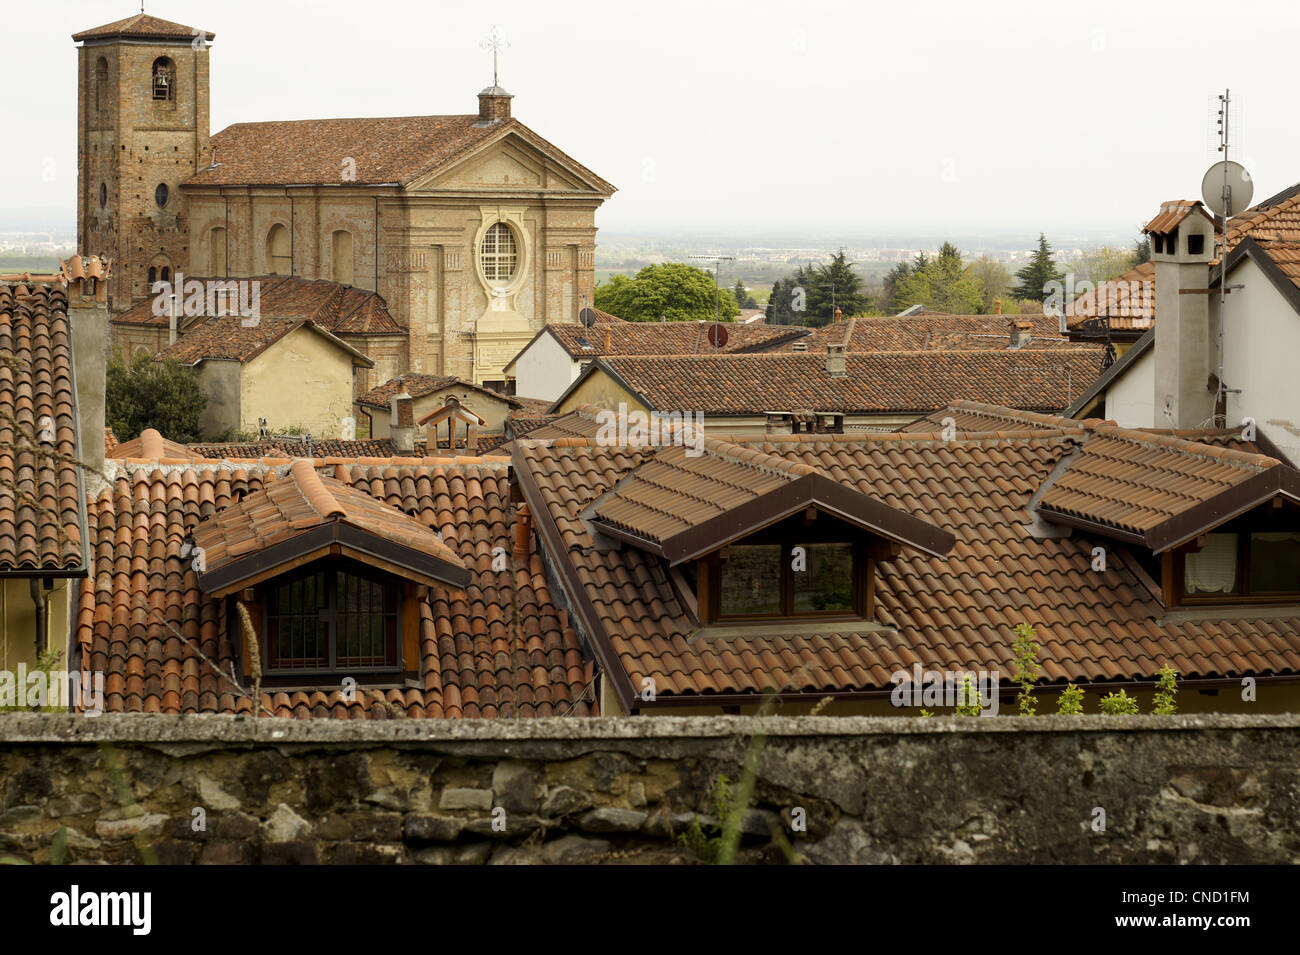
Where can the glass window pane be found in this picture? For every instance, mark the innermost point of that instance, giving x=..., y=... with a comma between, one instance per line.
x=1212, y=569
x=826, y=582
x=1275, y=562
x=751, y=580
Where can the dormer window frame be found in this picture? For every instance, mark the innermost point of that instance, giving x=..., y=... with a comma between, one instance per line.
x=1258, y=521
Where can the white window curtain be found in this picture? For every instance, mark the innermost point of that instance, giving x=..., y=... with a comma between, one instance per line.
x=1213, y=569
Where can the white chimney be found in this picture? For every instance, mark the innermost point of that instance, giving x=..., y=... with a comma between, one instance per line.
x=836, y=360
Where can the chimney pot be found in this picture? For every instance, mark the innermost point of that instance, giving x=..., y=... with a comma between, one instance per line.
x=1020, y=329
x=609, y=339
x=401, y=426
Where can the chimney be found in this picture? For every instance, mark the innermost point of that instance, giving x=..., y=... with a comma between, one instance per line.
x=401, y=423
x=839, y=315
x=523, y=533
x=836, y=360
x=1020, y=329
x=493, y=106
x=997, y=306
x=609, y=339
x=1182, y=245
x=87, y=282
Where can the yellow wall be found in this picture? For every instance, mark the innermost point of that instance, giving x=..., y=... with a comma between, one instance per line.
x=601, y=390
x=303, y=380
x=492, y=410
x=18, y=621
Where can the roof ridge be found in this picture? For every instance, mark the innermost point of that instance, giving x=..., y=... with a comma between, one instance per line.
x=321, y=499
x=1229, y=456
x=754, y=458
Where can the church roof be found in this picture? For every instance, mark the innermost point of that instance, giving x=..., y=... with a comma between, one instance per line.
x=142, y=26
x=389, y=150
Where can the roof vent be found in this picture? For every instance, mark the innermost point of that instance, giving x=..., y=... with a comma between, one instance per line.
x=799, y=346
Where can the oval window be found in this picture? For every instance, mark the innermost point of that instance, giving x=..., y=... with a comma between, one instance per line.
x=103, y=195
x=160, y=194
x=499, y=254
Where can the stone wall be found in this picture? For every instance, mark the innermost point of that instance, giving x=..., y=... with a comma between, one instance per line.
x=1203, y=789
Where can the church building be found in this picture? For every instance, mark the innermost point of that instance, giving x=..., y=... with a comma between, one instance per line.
x=475, y=230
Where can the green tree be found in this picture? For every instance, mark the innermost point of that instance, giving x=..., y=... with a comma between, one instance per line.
x=672, y=291
x=1141, y=252
x=1040, y=271
x=1025, y=656
x=941, y=283
x=742, y=296
x=889, y=285
x=1104, y=263
x=1165, y=700
x=152, y=394
x=993, y=281
x=829, y=286
x=1118, y=704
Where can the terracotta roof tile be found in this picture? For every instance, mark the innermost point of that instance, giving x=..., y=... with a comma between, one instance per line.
x=40, y=493
x=666, y=338
x=228, y=338
x=933, y=332
x=142, y=26
x=418, y=385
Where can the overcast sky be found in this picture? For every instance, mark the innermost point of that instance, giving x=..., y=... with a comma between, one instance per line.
x=746, y=117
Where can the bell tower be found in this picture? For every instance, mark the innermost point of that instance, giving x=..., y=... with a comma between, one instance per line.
x=142, y=130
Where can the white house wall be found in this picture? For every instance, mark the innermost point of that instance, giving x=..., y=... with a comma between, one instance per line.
x=1130, y=399
x=544, y=370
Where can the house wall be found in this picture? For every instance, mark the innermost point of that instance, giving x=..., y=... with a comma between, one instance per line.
x=602, y=391
x=220, y=383
x=1206, y=789
x=18, y=621
x=1261, y=340
x=544, y=370
x=303, y=380
x=1131, y=398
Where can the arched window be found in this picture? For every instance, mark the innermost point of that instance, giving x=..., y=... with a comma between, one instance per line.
x=341, y=268
x=153, y=276
x=279, y=254
x=499, y=255
x=101, y=84
x=164, y=79
x=160, y=270
x=166, y=273
x=217, y=252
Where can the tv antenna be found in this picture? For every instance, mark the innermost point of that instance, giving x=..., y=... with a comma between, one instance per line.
x=1226, y=190
x=717, y=334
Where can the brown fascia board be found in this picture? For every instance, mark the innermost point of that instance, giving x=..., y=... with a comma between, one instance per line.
x=828, y=495
x=231, y=576
x=571, y=584
x=1277, y=480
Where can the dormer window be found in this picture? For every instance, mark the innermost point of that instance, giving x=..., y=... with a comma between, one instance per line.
x=333, y=617
x=1252, y=562
x=164, y=73
x=788, y=579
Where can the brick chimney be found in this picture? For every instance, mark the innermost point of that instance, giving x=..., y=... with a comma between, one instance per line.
x=493, y=106
x=837, y=360
x=401, y=423
x=1182, y=245
x=1020, y=329
x=609, y=339
x=87, y=281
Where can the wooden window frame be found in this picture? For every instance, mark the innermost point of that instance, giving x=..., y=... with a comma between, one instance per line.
x=709, y=571
x=1175, y=569
x=394, y=668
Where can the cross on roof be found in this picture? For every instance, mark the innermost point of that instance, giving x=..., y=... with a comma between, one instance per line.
x=496, y=43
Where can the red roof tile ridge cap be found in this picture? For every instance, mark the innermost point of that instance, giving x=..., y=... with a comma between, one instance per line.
x=1014, y=414
x=151, y=443
x=1195, y=448
x=319, y=496
x=754, y=458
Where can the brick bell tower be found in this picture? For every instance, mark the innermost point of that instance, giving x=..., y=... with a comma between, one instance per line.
x=142, y=130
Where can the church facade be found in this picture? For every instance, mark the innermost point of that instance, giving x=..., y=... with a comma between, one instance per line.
x=474, y=229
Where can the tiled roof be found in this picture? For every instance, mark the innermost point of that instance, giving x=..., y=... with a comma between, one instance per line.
x=418, y=385
x=500, y=647
x=1140, y=483
x=934, y=332
x=666, y=338
x=949, y=612
x=149, y=445
x=40, y=489
x=341, y=309
x=875, y=382
x=1129, y=300
x=142, y=26
x=1174, y=212
x=227, y=337
x=977, y=417
x=389, y=149
x=110, y=441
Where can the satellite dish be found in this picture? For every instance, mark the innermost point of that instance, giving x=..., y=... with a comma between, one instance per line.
x=1227, y=197
x=588, y=317
x=717, y=335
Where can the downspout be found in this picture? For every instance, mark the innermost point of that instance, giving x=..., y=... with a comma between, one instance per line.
x=225, y=233
x=377, y=252
x=42, y=613
x=289, y=195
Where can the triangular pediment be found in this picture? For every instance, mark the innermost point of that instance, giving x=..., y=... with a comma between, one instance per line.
x=516, y=160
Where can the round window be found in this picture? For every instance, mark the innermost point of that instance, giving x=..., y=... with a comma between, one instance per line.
x=160, y=194
x=103, y=195
x=499, y=255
